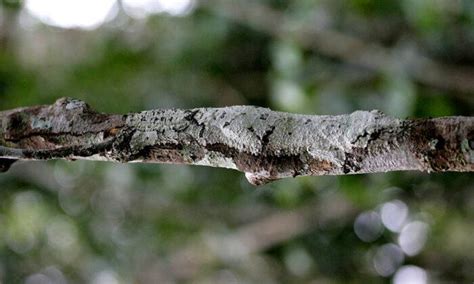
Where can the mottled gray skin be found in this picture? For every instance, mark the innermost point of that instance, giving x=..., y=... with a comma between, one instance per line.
x=263, y=133
x=265, y=144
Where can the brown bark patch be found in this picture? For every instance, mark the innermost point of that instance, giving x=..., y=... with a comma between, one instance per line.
x=438, y=142
x=171, y=153
x=320, y=166
x=163, y=154
x=18, y=125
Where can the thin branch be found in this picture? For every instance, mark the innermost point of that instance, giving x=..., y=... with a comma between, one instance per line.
x=265, y=144
x=258, y=236
x=351, y=49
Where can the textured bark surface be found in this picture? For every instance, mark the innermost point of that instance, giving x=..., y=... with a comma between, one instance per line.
x=265, y=144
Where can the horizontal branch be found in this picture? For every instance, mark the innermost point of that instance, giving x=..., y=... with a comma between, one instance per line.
x=265, y=144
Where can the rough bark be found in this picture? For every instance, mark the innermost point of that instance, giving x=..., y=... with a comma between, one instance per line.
x=266, y=145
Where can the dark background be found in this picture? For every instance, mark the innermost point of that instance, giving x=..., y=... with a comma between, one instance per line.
x=78, y=222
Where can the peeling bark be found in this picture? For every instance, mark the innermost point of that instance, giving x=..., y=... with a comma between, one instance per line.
x=265, y=144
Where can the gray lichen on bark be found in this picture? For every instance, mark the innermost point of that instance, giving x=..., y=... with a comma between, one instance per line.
x=265, y=144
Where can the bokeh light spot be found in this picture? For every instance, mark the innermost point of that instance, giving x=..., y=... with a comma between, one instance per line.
x=394, y=215
x=85, y=14
x=106, y=277
x=413, y=237
x=387, y=259
x=368, y=226
x=298, y=261
x=62, y=237
x=27, y=217
x=410, y=274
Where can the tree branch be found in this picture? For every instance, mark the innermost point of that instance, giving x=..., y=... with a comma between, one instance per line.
x=348, y=48
x=265, y=144
x=260, y=235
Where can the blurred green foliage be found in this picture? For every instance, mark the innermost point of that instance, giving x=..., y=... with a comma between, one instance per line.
x=76, y=222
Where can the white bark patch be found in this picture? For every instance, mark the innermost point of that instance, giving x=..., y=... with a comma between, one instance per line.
x=216, y=160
